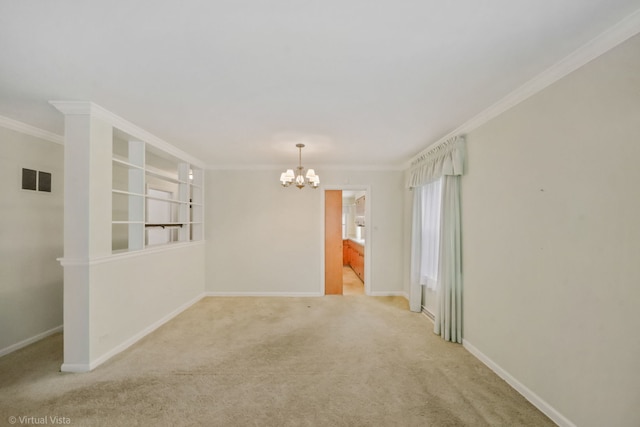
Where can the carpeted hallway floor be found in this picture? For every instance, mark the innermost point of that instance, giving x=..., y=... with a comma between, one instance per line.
x=327, y=361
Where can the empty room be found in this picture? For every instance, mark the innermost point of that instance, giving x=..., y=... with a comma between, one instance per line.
x=285, y=213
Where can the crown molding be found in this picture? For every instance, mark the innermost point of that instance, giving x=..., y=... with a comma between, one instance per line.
x=73, y=107
x=619, y=33
x=26, y=129
x=246, y=167
x=321, y=167
x=70, y=108
x=370, y=168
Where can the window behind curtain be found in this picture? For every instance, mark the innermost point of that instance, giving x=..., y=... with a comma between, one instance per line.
x=431, y=204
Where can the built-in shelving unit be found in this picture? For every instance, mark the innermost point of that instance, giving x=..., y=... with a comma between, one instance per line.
x=117, y=179
x=157, y=198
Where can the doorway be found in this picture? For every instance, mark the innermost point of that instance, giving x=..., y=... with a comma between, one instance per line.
x=351, y=283
x=346, y=261
x=333, y=242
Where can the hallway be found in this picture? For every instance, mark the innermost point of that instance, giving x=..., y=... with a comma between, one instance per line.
x=351, y=283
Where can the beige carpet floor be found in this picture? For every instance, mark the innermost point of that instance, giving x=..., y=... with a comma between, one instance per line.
x=328, y=361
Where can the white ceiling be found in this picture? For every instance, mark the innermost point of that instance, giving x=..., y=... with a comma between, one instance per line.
x=364, y=83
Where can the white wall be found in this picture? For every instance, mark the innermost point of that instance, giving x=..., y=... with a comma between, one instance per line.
x=266, y=239
x=551, y=242
x=133, y=295
x=31, y=238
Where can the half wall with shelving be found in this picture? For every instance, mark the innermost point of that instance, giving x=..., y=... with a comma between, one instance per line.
x=122, y=279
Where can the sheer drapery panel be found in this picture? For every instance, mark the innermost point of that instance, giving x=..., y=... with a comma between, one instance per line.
x=430, y=239
x=435, y=180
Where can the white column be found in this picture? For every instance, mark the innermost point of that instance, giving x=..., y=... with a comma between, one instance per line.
x=183, y=196
x=87, y=221
x=136, y=203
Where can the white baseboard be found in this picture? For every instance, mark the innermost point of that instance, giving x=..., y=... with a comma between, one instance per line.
x=24, y=343
x=390, y=294
x=262, y=294
x=75, y=368
x=297, y=294
x=428, y=315
x=70, y=367
x=536, y=400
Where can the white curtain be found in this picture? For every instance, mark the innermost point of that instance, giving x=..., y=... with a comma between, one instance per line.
x=443, y=164
x=448, y=316
x=430, y=244
x=425, y=239
x=444, y=159
x=415, y=296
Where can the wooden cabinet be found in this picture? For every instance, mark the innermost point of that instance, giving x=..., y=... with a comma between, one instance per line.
x=353, y=256
x=345, y=252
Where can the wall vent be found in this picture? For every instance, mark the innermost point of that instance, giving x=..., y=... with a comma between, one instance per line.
x=36, y=180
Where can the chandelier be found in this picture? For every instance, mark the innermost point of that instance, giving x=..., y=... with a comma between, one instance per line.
x=288, y=177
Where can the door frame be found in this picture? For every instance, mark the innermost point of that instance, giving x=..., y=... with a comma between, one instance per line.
x=368, y=235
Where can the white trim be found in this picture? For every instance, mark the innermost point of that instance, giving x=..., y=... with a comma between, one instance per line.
x=536, y=400
x=296, y=294
x=76, y=262
x=262, y=294
x=244, y=167
x=26, y=129
x=606, y=41
x=390, y=294
x=368, y=237
x=128, y=343
x=76, y=368
x=28, y=341
x=347, y=167
x=94, y=110
x=318, y=167
x=428, y=314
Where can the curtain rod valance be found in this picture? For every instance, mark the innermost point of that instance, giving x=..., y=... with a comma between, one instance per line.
x=446, y=158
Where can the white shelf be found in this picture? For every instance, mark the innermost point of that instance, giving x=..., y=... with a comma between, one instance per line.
x=125, y=162
x=164, y=175
x=123, y=251
x=127, y=193
x=138, y=168
x=167, y=200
